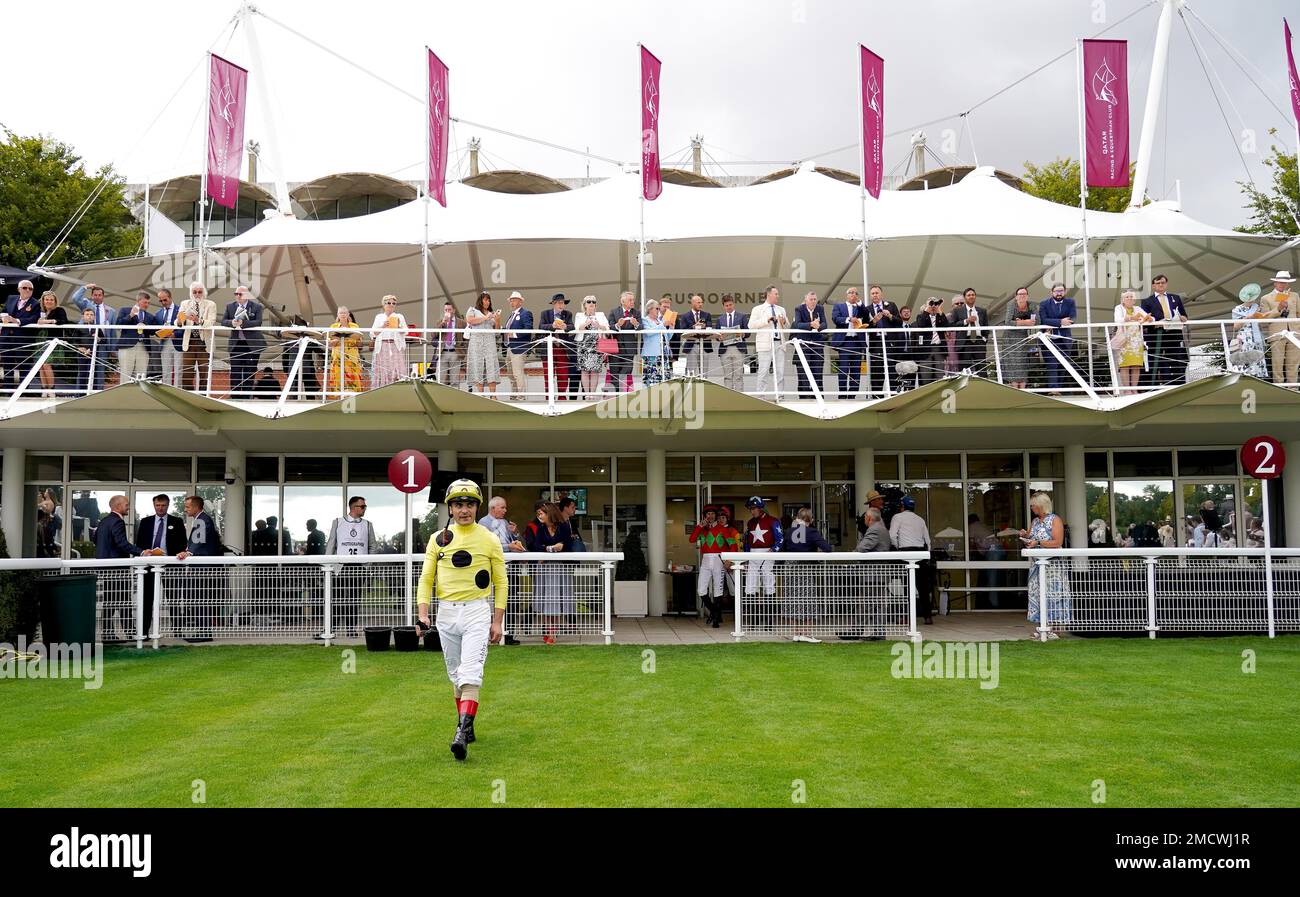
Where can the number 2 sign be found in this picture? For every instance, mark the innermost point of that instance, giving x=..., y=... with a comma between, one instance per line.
x=1263, y=458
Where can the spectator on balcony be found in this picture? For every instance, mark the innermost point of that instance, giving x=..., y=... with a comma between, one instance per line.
x=518, y=343
x=625, y=321
x=1047, y=531
x=691, y=326
x=245, y=343
x=82, y=339
x=732, y=346
x=810, y=326
x=198, y=318
x=589, y=325
x=482, y=364
x=1016, y=343
x=971, y=342
x=103, y=339
x=15, y=343
x=654, y=364
x=1282, y=309
x=1247, y=350
x=930, y=342
x=769, y=323
x=50, y=317
x=1128, y=342
x=1057, y=312
x=167, y=345
x=343, y=360
x=133, y=339
x=558, y=322
x=1168, y=343
x=849, y=342
x=388, y=335
x=883, y=321
x=447, y=365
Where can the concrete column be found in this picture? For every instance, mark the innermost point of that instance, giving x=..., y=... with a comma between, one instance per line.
x=1290, y=488
x=1074, y=508
x=864, y=473
x=656, y=523
x=235, y=526
x=447, y=462
x=13, y=499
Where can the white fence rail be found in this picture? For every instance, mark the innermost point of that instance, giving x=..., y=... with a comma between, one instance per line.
x=323, y=598
x=837, y=594
x=1166, y=589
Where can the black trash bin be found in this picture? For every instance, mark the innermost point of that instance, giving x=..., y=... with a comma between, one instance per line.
x=67, y=608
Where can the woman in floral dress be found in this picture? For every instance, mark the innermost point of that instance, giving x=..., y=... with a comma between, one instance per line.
x=1247, y=350
x=389, y=336
x=1047, y=531
x=1127, y=342
x=344, y=356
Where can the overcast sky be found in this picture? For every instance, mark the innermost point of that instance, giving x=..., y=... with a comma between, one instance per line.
x=763, y=80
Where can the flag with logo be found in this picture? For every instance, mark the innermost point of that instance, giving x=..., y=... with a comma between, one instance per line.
x=439, y=130
x=652, y=182
x=1105, y=112
x=1291, y=76
x=872, y=71
x=227, y=92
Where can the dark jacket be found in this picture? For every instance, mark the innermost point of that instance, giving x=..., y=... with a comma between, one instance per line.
x=111, y=541
x=174, y=538
x=130, y=337
x=845, y=335
x=252, y=340
x=1151, y=305
x=803, y=319
x=626, y=335
x=958, y=319
x=160, y=318
x=1050, y=313
x=686, y=322
x=803, y=537
x=739, y=321
x=519, y=320
x=204, y=540
x=548, y=320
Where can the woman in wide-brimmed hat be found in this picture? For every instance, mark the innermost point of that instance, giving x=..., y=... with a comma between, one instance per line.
x=1246, y=349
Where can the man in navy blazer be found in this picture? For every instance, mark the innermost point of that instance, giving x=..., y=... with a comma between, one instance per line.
x=1058, y=312
x=111, y=543
x=884, y=345
x=811, y=326
x=168, y=351
x=625, y=321
x=1165, y=339
x=203, y=540
x=693, y=347
x=133, y=339
x=518, y=342
x=245, y=344
x=558, y=320
x=849, y=342
x=163, y=531
x=21, y=311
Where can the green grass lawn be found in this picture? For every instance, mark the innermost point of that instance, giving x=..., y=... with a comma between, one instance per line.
x=1173, y=722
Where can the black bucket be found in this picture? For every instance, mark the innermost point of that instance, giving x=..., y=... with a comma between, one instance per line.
x=432, y=641
x=378, y=638
x=406, y=638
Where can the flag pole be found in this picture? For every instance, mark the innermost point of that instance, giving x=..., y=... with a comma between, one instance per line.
x=1083, y=202
x=641, y=254
x=201, y=274
x=424, y=243
x=862, y=181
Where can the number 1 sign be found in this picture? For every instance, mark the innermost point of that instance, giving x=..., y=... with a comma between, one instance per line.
x=410, y=471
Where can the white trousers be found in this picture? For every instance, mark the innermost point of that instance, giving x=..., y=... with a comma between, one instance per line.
x=760, y=568
x=710, y=575
x=133, y=362
x=771, y=371
x=170, y=358
x=464, y=627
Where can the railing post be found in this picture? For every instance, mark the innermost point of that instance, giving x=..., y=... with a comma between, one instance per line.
x=140, y=571
x=408, y=590
x=1043, y=628
x=912, y=632
x=1268, y=583
x=94, y=357
x=327, y=634
x=997, y=355
x=550, y=373
x=212, y=355
x=608, y=570
x=738, y=569
x=1151, y=595
x=155, y=618
x=1110, y=359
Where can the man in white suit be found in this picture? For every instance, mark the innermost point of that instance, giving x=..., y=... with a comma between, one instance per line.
x=766, y=322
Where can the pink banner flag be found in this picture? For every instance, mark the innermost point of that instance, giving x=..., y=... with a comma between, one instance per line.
x=873, y=121
x=227, y=91
x=652, y=181
x=1105, y=112
x=1290, y=70
x=439, y=129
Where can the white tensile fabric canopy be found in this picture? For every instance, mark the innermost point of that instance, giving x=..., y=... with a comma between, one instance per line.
x=801, y=232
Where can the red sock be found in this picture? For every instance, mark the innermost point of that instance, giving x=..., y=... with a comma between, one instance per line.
x=467, y=708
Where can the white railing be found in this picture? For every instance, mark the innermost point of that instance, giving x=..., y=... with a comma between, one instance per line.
x=324, y=598
x=835, y=594
x=1166, y=589
x=309, y=363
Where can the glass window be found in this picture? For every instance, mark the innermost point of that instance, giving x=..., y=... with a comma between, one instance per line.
x=386, y=511
x=1248, y=525
x=728, y=469
x=88, y=507
x=1000, y=510
x=45, y=468
x=1047, y=465
x=841, y=525
x=263, y=504
x=474, y=467
x=212, y=468
x=96, y=468
x=47, y=538
x=943, y=507
x=1144, y=464
x=1097, y=495
x=1095, y=466
x=304, y=470
x=838, y=468
x=787, y=468
x=595, y=518
x=579, y=470
x=367, y=470
x=681, y=510
x=318, y=503
x=631, y=469
x=887, y=468
x=924, y=467
x=521, y=470
x=263, y=469
x=162, y=470
x=1000, y=466
x=1145, y=502
x=1207, y=463
x=214, y=502
x=680, y=468
x=1219, y=498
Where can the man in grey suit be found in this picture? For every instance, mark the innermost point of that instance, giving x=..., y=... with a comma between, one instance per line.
x=352, y=536
x=245, y=342
x=876, y=538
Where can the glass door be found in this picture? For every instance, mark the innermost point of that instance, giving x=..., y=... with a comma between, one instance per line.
x=783, y=501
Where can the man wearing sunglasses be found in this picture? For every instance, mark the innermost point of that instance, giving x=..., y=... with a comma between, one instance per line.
x=465, y=569
x=352, y=536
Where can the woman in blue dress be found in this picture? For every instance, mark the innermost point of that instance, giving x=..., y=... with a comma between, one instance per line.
x=1246, y=350
x=1047, y=531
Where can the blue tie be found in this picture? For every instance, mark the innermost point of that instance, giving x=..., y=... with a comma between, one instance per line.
x=158, y=527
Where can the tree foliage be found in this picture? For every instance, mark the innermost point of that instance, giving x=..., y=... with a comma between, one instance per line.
x=1058, y=181
x=1273, y=211
x=42, y=185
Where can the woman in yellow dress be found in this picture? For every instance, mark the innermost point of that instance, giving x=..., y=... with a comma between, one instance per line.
x=1127, y=342
x=344, y=356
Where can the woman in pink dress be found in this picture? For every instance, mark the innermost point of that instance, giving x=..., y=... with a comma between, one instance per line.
x=389, y=336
